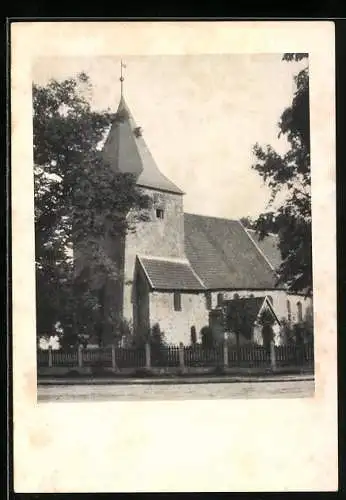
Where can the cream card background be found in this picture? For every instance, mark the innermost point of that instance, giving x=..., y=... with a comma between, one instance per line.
x=255, y=445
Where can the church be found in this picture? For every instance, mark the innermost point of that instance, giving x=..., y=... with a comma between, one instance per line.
x=179, y=268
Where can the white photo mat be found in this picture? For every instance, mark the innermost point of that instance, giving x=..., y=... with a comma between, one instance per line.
x=216, y=445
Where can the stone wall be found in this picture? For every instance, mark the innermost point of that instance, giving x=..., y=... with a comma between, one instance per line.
x=279, y=301
x=194, y=312
x=176, y=325
x=156, y=237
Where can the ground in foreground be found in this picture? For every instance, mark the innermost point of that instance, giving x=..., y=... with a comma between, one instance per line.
x=137, y=392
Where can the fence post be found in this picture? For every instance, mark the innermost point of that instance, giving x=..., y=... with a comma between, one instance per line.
x=114, y=366
x=225, y=352
x=181, y=355
x=50, y=357
x=147, y=355
x=80, y=356
x=272, y=355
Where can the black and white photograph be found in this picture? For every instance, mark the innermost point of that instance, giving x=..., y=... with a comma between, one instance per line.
x=173, y=256
x=173, y=227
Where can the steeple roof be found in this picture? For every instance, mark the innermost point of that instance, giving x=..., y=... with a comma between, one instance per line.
x=126, y=151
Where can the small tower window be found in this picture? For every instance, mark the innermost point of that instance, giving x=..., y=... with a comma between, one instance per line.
x=177, y=301
x=159, y=213
x=235, y=296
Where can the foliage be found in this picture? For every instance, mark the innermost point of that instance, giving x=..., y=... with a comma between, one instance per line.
x=79, y=203
x=157, y=343
x=288, y=175
x=286, y=331
x=207, y=337
x=248, y=222
x=157, y=336
x=266, y=318
x=237, y=320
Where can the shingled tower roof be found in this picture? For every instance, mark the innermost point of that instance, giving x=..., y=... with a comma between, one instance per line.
x=126, y=151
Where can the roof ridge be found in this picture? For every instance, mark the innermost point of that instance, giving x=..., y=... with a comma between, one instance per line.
x=211, y=217
x=167, y=259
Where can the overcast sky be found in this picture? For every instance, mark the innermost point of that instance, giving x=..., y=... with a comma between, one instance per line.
x=200, y=115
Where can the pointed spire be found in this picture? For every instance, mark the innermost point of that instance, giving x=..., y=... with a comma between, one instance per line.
x=126, y=151
x=122, y=65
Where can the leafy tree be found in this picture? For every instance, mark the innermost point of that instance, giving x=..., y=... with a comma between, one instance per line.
x=207, y=337
x=266, y=320
x=80, y=204
x=248, y=222
x=237, y=320
x=289, y=175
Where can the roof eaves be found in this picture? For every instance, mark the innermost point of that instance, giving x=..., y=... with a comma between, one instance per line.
x=145, y=272
x=165, y=190
x=196, y=276
x=267, y=301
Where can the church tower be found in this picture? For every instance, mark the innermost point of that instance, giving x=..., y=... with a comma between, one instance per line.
x=162, y=236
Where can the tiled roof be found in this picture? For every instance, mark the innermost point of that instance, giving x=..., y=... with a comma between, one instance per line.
x=224, y=256
x=170, y=274
x=269, y=247
x=127, y=152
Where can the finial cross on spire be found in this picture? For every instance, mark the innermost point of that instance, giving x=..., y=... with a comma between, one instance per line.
x=122, y=65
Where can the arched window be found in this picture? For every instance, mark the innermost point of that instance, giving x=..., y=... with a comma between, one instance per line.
x=251, y=296
x=236, y=296
x=289, y=314
x=219, y=299
x=299, y=312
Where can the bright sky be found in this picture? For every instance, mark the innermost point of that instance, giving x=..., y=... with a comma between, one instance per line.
x=200, y=116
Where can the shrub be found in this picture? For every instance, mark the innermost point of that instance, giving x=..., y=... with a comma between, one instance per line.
x=218, y=370
x=73, y=373
x=207, y=337
x=143, y=373
x=193, y=335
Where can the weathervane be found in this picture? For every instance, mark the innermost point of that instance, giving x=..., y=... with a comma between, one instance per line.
x=122, y=65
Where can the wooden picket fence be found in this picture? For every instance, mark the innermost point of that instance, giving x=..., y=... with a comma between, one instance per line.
x=165, y=356
x=249, y=355
x=96, y=357
x=198, y=355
